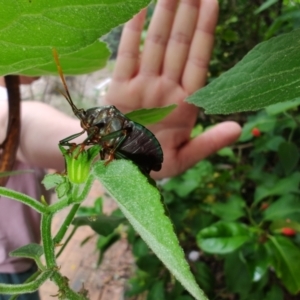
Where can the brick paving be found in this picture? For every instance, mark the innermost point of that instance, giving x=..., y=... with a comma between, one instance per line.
x=79, y=263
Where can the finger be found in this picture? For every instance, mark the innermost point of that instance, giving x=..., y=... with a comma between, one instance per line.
x=195, y=72
x=180, y=39
x=208, y=143
x=128, y=53
x=157, y=37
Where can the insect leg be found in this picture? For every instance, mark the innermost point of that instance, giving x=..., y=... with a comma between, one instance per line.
x=122, y=134
x=65, y=141
x=91, y=134
x=114, y=134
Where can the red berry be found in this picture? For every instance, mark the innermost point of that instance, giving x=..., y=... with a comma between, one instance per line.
x=255, y=132
x=264, y=206
x=288, y=231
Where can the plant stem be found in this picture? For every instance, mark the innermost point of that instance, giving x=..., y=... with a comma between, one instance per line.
x=290, y=116
x=39, y=207
x=57, y=206
x=66, y=241
x=248, y=211
x=291, y=135
x=47, y=241
x=63, y=229
x=40, y=264
x=74, y=198
x=64, y=290
x=12, y=289
x=86, y=188
x=30, y=279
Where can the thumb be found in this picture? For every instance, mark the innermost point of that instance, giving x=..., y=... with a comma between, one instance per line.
x=208, y=143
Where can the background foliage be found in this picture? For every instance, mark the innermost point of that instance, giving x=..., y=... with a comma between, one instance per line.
x=237, y=214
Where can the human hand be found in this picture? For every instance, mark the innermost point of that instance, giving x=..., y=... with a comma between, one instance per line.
x=173, y=65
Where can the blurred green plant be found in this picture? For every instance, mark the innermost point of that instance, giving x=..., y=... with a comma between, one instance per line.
x=244, y=24
x=239, y=212
x=236, y=216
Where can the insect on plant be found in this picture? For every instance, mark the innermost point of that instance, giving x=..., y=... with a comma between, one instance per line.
x=118, y=136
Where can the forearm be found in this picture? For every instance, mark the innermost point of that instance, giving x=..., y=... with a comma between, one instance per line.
x=42, y=127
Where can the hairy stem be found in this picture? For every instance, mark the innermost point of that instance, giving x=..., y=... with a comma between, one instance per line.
x=39, y=207
x=12, y=289
x=63, y=229
x=47, y=241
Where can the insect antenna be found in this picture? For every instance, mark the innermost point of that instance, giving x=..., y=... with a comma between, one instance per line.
x=66, y=94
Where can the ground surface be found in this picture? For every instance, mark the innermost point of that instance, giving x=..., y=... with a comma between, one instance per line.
x=78, y=263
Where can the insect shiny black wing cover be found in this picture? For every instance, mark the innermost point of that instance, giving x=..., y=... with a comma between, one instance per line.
x=142, y=147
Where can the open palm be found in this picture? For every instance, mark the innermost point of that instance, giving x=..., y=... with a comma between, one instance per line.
x=172, y=66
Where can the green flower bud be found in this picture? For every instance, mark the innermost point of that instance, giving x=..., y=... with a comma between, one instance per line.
x=79, y=161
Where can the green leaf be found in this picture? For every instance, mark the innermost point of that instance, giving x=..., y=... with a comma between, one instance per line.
x=287, y=206
x=258, y=261
x=33, y=251
x=275, y=293
x=103, y=225
x=288, y=156
x=197, y=130
x=281, y=187
x=63, y=188
x=229, y=35
x=286, y=258
x=268, y=74
x=178, y=292
x=139, y=247
x=237, y=276
x=268, y=143
x=105, y=242
x=147, y=116
x=138, y=284
x=187, y=182
x=281, y=107
x=87, y=211
x=140, y=202
x=265, y=5
x=204, y=277
x=227, y=152
x=52, y=180
x=30, y=29
x=184, y=297
x=57, y=181
x=86, y=60
x=223, y=237
x=149, y=264
x=230, y=210
x=157, y=291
